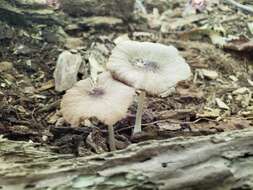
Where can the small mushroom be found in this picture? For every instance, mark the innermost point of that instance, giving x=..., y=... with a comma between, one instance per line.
x=148, y=67
x=108, y=101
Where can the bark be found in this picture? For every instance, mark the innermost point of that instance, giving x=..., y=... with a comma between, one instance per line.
x=118, y=8
x=22, y=12
x=222, y=161
x=18, y=13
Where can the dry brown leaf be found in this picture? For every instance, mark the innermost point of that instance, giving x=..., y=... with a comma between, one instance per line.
x=241, y=44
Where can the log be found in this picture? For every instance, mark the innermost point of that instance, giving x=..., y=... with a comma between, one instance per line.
x=116, y=8
x=221, y=161
x=18, y=12
x=23, y=12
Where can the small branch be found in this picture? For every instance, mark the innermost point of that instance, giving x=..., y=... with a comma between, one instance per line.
x=240, y=6
x=178, y=122
x=50, y=107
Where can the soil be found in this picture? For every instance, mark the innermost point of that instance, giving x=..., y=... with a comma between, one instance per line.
x=29, y=105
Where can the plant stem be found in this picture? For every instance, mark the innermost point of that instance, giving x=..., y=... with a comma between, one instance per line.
x=137, y=126
x=111, y=138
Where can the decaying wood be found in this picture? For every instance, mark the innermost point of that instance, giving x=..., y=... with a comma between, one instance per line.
x=22, y=12
x=222, y=161
x=18, y=13
x=118, y=8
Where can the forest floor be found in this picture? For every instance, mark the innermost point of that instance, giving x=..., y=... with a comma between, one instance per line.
x=215, y=42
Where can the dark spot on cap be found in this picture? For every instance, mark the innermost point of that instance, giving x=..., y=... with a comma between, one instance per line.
x=151, y=65
x=96, y=92
x=147, y=65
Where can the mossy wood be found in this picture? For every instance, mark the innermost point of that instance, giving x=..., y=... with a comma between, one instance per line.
x=222, y=161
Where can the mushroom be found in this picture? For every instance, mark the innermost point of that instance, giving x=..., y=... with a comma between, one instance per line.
x=149, y=67
x=108, y=101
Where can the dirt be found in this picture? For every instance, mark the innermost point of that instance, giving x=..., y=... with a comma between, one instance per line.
x=29, y=105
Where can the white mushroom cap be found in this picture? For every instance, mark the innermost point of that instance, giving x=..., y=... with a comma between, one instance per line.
x=152, y=67
x=108, y=101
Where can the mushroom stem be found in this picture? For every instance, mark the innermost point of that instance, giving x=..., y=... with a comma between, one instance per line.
x=111, y=138
x=137, y=126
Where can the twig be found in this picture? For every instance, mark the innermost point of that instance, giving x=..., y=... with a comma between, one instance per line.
x=178, y=122
x=240, y=6
x=50, y=107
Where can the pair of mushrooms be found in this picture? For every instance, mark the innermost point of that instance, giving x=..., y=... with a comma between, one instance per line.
x=151, y=68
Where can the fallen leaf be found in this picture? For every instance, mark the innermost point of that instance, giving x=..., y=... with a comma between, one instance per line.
x=242, y=90
x=234, y=124
x=96, y=67
x=73, y=43
x=5, y=66
x=66, y=70
x=175, y=23
x=96, y=21
x=250, y=26
x=208, y=74
x=240, y=44
x=209, y=113
x=221, y=104
x=45, y=86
